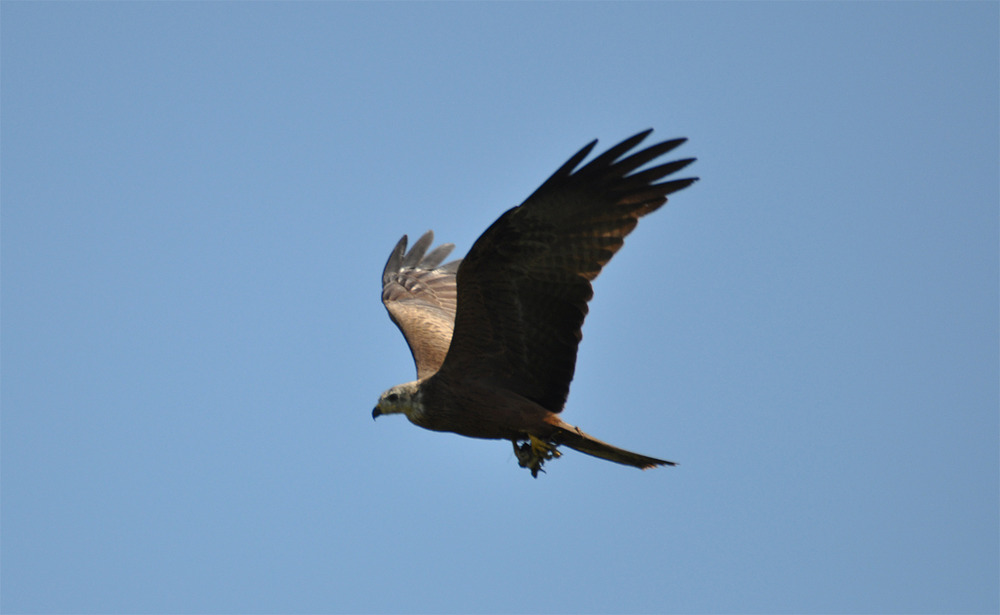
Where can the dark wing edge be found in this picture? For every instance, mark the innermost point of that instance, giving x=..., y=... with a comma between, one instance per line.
x=526, y=281
x=421, y=295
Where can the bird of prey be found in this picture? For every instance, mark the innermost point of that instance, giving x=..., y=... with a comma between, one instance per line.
x=494, y=336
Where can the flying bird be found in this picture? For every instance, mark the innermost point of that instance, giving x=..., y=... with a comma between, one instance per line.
x=494, y=336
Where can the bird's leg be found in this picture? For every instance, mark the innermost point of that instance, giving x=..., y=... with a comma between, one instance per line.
x=533, y=453
x=543, y=449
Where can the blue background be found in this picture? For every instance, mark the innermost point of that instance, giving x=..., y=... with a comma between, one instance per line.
x=197, y=202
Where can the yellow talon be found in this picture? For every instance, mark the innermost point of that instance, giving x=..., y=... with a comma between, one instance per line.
x=534, y=453
x=543, y=449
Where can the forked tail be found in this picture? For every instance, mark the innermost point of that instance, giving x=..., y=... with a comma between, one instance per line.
x=577, y=440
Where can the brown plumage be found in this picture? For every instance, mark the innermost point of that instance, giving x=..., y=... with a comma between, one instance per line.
x=494, y=336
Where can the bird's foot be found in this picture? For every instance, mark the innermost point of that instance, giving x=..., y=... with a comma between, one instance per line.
x=533, y=453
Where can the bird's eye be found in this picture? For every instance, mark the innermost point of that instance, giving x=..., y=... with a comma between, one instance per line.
x=392, y=398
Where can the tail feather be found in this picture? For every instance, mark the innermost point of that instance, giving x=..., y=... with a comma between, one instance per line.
x=579, y=441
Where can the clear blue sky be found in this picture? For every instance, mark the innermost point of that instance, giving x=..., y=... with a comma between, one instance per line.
x=197, y=202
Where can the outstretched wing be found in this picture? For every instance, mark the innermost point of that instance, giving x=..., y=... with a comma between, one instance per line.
x=524, y=286
x=419, y=294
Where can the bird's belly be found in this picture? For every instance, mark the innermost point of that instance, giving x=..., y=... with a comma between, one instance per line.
x=492, y=414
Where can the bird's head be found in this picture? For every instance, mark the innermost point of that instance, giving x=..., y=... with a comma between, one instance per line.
x=400, y=399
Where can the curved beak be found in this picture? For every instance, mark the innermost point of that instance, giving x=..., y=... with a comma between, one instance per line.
x=376, y=413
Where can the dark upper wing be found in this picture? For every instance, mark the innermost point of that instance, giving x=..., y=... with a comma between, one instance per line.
x=420, y=295
x=525, y=284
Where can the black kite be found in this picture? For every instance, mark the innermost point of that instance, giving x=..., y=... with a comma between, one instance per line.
x=494, y=336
